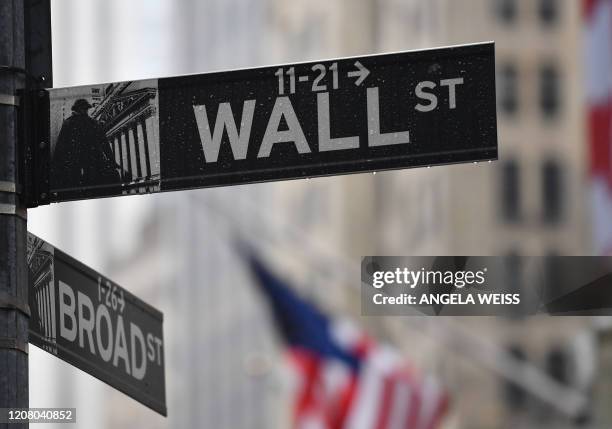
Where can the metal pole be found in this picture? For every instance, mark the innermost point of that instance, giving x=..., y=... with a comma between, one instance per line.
x=14, y=313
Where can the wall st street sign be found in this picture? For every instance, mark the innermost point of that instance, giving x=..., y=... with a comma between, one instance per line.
x=301, y=120
x=90, y=322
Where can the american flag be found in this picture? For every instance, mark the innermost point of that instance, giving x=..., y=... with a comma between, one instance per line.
x=344, y=379
x=598, y=84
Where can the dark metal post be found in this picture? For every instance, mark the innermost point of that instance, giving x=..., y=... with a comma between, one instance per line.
x=14, y=311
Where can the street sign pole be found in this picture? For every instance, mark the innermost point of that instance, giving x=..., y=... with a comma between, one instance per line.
x=14, y=311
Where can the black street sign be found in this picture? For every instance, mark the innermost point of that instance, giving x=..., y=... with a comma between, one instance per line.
x=90, y=322
x=348, y=115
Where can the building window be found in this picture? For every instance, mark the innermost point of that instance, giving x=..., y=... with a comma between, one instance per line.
x=516, y=397
x=508, y=89
x=558, y=365
x=510, y=192
x=552, y=191
x=550, y=99
x=513, y=265
x=514, y=279
x=548, y=11
x=552, y=267
x=506, y=10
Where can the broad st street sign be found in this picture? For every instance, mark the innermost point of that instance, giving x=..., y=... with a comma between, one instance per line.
x=90, y=322
x=310, y=119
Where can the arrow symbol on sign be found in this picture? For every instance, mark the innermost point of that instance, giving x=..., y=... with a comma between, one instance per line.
x=361, y=73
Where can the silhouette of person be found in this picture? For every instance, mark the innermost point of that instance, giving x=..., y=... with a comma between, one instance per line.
x=82, y=155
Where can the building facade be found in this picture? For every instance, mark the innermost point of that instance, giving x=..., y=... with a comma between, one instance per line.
x=175, y=250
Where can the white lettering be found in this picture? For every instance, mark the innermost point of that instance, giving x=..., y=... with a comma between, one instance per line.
x=452, y=97
x=150, y=349
x=375, y=137
x=239, y=141
x=158, y=342
x=138, y=371
x=86, y=325
x=67, y=309
x=433, y=100
x=326, y=143
x=121, y=346
x=105, y=352
x=283, y=107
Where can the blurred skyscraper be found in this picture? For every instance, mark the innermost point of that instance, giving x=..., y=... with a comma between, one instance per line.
x=533, y=201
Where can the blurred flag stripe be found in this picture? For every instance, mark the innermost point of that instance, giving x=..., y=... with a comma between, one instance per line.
x=365, y=410
x=386, y=402
x=434, y=404
x=345, y=379
x=598, y=75
x=398, y=415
